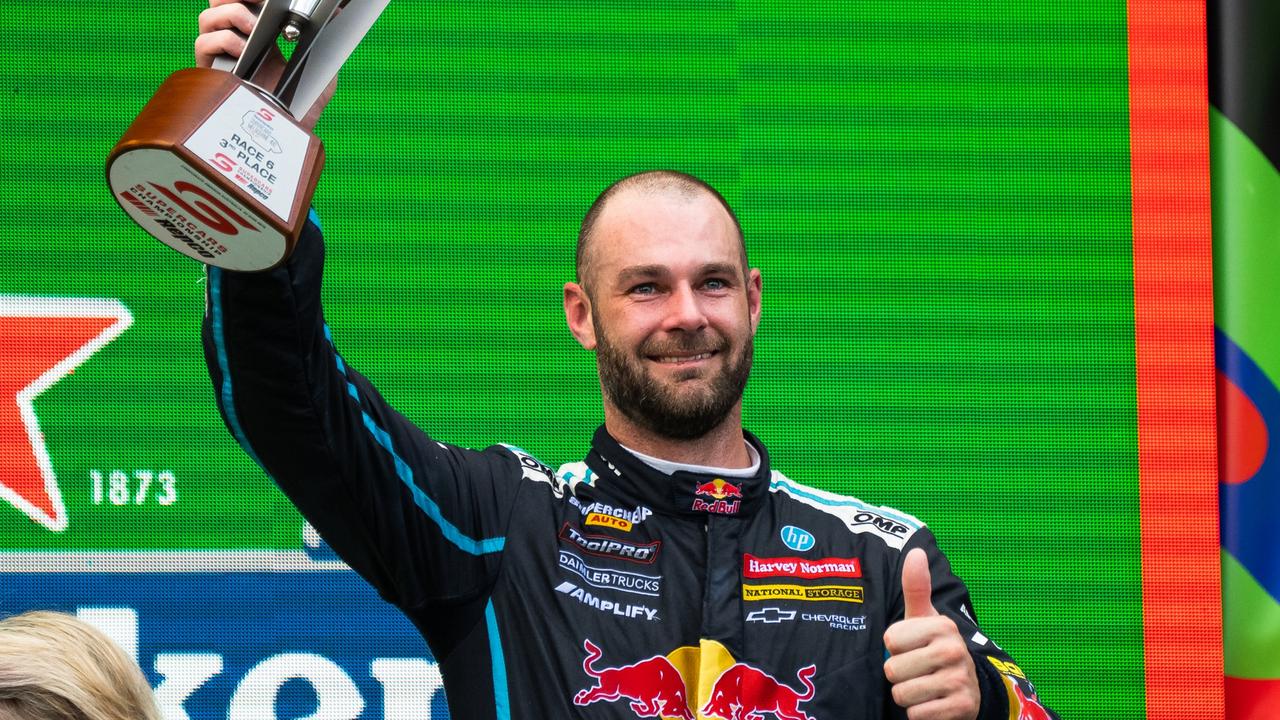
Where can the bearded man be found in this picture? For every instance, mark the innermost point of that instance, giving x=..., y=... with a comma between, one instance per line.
x=673, y=572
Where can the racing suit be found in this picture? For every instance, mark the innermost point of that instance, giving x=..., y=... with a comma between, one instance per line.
x=606, y=589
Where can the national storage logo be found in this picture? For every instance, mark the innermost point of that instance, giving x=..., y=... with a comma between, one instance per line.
x=811, y=593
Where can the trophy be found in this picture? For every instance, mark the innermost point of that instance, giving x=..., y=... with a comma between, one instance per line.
x=218, y=167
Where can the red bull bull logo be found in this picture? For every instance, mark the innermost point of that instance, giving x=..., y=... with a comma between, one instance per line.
x=718, y=489
x=1029, y=708
x=663, y=685
x=745, y=692
x=726, y=497
x=653, y=686
x=1026, y=704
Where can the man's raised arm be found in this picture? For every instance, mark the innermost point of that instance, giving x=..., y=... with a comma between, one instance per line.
x=421, y=520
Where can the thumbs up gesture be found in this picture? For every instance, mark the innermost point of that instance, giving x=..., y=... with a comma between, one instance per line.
x=930, y=668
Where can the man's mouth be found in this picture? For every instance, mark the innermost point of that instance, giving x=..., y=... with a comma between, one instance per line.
x=682, y=359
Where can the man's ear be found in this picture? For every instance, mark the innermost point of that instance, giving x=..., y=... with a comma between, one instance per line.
x=577, y=312
x=755, y=288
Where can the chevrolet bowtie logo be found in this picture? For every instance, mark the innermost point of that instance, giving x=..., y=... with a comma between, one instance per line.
x=771, y=615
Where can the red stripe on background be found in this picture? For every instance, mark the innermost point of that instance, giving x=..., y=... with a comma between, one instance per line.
x=1173, y=322
x=1252, y=699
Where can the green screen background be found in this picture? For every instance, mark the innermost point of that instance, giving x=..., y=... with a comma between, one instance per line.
x=937, y=195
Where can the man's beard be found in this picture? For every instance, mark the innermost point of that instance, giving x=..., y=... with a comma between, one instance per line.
x=664, y=409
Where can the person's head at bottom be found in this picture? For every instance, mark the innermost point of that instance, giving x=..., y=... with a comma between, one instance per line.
x=56, y=667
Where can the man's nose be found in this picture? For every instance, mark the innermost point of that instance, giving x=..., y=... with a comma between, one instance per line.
x=685, y=311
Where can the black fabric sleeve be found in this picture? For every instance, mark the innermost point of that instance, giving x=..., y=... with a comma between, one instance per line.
x=420, y=520
x=1002, y=682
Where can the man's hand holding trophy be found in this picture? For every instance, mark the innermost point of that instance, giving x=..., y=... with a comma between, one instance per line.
x=221, y=164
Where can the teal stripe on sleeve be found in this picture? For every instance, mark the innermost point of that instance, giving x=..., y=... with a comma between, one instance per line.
x=501, y=702
x=424, y=502
x=845, y=502
x=220, y=348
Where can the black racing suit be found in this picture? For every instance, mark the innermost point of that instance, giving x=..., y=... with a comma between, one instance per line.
x=607, y=589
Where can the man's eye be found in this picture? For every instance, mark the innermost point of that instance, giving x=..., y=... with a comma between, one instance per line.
x=715, y=284
x=644, y=289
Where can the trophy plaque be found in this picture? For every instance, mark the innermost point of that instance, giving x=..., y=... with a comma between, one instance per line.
x=216, y=165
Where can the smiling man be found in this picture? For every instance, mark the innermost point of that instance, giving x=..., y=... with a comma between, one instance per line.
x=666, y=299
x=673, y=572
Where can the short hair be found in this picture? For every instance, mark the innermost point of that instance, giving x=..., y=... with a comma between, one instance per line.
x=54, y=666
x=651, y=181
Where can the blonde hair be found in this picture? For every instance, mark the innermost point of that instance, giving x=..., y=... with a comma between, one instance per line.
x=56, y=667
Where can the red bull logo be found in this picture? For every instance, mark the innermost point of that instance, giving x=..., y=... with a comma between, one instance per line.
x=653, y=687
x=1029, y=708
x=726, y=497
x=662, y=686
x=745, y=692
x=1026, y=704
x=718, y=489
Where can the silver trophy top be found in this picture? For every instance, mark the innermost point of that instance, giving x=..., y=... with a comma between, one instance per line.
x=300, y=12
x=325, y=39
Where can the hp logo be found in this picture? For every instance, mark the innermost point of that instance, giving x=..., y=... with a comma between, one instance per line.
x=796, y=538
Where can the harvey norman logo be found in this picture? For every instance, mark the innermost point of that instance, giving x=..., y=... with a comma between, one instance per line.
x=758, y=567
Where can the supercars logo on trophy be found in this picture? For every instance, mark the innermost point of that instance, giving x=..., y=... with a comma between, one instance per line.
x=259, y=131
x=217, y=165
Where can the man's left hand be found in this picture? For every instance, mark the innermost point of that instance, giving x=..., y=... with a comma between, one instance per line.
x=930, y=668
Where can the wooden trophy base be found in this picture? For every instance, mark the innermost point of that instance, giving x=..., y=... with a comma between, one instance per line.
x=214, y=168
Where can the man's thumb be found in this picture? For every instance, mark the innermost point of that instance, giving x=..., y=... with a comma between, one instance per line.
x=917, y=587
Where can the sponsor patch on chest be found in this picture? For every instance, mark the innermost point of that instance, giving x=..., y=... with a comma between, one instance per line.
x=609, y=521
x=604, y=605
x=809, y=593
x=606, y=515
x=778, y=616
x=765, y=567
x=718, y=496
x=605, y=546
x=609, y=578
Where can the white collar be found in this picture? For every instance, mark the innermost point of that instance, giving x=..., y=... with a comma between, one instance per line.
x=668, y=467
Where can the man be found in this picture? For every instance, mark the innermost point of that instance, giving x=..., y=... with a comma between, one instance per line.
x=673, y=573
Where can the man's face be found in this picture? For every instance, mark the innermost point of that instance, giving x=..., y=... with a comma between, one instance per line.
x=672, y=311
